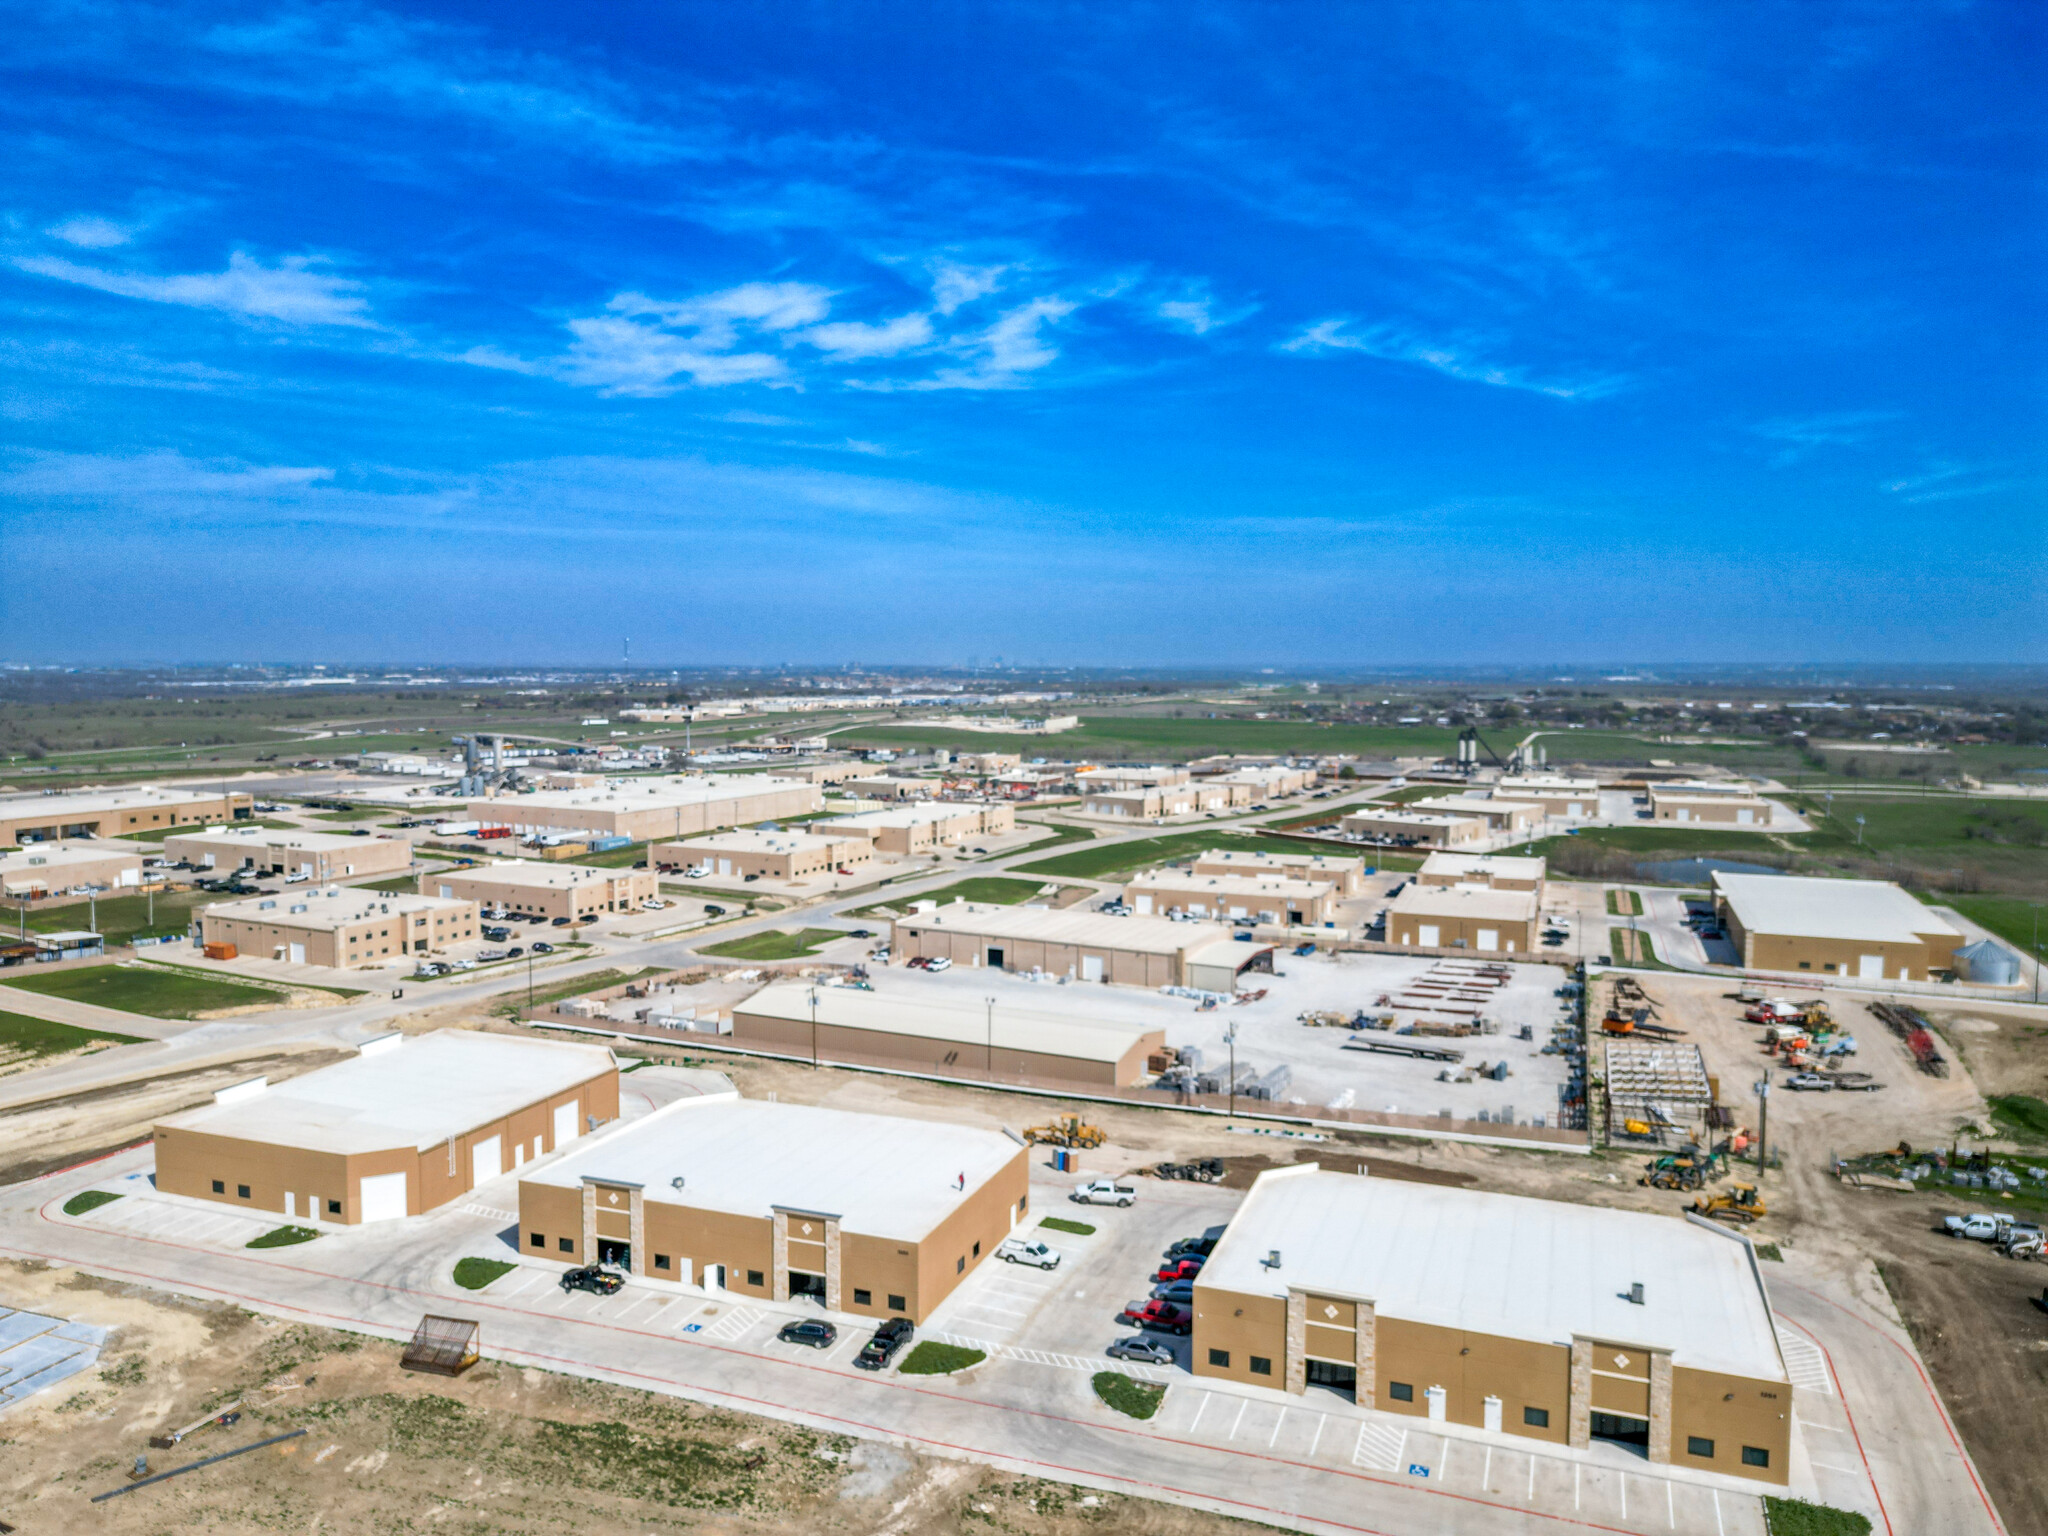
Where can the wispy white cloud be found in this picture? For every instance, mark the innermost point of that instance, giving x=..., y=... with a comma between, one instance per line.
x=852, y=340
x=1458, y=360
x=1946, y=482
x=297, y=291
x=91, y=232
x=1001, y=356
x=1195, y=310
x=954, y=284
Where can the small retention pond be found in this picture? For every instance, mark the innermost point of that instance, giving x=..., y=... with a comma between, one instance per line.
x=1697, y=871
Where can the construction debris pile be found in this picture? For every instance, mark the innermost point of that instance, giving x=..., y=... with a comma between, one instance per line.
x=1911, y=1026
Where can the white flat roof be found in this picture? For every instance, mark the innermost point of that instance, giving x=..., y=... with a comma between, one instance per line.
x=966, y=1020
x=911, y=815
x=646, y=794
x=879, y=1174
x=754, y=840
x=1229, y=885
x=57, y=855
x=1513, y=867
x=529, y=874
x=1092, y=930
x=1690, y=796
x=1237, y=858
x=1813, y=907
x=416, y=1094
x=1402, y=818
x=272, y=837
x=1547, y=784
x=1476, y=901
x=328, y=908
x=1505, y=1265
x=91, y=802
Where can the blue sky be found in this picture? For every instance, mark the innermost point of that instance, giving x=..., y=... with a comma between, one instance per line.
x=1073, y=333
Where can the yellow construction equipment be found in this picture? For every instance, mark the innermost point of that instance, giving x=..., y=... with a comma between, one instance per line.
x=1738, y=1202
x=1066, y=1131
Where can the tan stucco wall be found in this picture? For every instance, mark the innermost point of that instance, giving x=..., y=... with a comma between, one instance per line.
x=1136, y=968
x=45, y=820
x=1731, y=1411
x=1404, y=928
x=1835, y=957
x=919, y=1054
x=615, y=891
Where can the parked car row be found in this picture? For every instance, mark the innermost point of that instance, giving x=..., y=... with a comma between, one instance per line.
x=929, y=963
x=1170, y=1308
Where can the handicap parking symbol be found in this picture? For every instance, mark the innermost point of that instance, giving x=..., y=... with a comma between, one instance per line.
x=1417, y=1469
x=693, y=1327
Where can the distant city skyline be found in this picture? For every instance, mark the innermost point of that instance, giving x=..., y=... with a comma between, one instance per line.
x=1435, y=335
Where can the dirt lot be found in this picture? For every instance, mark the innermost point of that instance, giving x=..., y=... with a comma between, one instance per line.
x=499, y=1450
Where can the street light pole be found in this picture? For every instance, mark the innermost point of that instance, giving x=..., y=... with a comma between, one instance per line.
x=814, y=1029
x=991, y=1069
x=1763, y=1123
x=1230, y=1039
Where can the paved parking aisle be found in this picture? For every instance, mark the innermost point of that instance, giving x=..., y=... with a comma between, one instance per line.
x=149, y=1215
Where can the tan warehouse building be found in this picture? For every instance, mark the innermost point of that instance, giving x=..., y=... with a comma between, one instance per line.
x=1463, y=917
x=1567, y=798
x=1267, y=783
x=1500, y=816
x=316, y=856
x=1668, y=803
x=408, y=1125
x=339, y=926
x=1414, y=829
x=526, y=889
x=768, y=855
x=52, y=869
x=1495, y=871
x=1558, y=1323
x=1135, y=951
x=650, y=808
x=869, y=1214
x=113, y=812
x=941, y=1034
x=1159, y=802
x=1260, y=898
x=1345, y=876
x=914, y=829
x=1868, y=929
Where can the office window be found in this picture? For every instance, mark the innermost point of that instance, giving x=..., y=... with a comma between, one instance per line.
x=219, y=1188
x=960, y=1265
x=566, y=1244
x=334, y=1207
x=1401, y=1391
x=977, y=1250
x=1536, y=1418
x=1699, y=1445
x=242, y=1191
x=1755, y=1456
x=536, y=1240
x=896, y=1304
x=1806, y=965
x=753, y=1277
x=1261, y=1365
x=1023, y=1204
x=1220, y=1357
x=863, y=1298
x=661, y=1261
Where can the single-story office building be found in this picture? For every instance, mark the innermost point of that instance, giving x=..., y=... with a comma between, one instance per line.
x=1495, y=871
x=1261, y=898
x=1715, y=809
x=1500, y=816
x=1414, y=829
x=528, y=889
x=1344, y=875
x=1463, y=917
x=339, y=926
x=1135, y=951
x=913, y=829
x=1559, y=796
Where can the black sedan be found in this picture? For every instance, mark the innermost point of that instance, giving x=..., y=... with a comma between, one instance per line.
x=812, y=1332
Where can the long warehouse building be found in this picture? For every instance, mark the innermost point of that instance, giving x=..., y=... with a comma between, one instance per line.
x=870, y=1214
x=533, y=890
x=940, y=1035
x=340, y=926
x=315, y=856
x=407, y=1125
x=1868, y=929
x=1136, y=951
x=113, y=812
x=1556, y=1322
x=653, y=808
x=52, y=869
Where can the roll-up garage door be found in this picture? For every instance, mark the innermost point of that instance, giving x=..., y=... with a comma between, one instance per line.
x=568, y=1124
x=1427, y=935
x=486, y=1161
x=383, y=1197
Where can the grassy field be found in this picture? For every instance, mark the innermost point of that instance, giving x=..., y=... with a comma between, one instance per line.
x=2018, y=921
x=997, y=890
x=23, y=1038
x=775, y=944
x=592, y=981
x=144, y=990
x=122, y=919
x=391, y=883
x=1062, y=834
x=1170, y=738
x=1114, y=860
x=615, y=858
x=1949, y=840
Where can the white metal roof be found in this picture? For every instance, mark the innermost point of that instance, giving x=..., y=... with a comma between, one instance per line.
x=755, y=840
x=1229, y=885
x=420, y=1092
x=645, y=794
x=1506, y=1265
x=1399, y=818
x=1476, y=805
x=53, y=856
x=1508, y=866
x=71, y=803
x=926, y=814
x=329, y=908
x=271, y=837
x=881, y=1175
x=1090, y=930
x=965, y=1020
x=1813, y=907
x=1474, y=901
x=1545, y=784
x=1234, y=858
x=529, y=873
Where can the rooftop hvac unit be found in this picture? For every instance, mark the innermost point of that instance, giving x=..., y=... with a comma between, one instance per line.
x=265, y=906
x=299, y=906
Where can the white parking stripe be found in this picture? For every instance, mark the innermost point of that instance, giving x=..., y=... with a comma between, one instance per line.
x=1274, y=1438
x=1199, y=1412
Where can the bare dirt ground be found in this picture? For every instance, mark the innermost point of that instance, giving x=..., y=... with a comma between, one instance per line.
x=2005, y=1050
x=499, y=1450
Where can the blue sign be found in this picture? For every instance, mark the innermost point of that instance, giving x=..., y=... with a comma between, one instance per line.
x=693, y=1327
x=1417, y=1469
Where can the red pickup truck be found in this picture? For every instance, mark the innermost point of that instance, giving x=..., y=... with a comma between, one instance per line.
x=1162, y=1315
x=1184, y=1268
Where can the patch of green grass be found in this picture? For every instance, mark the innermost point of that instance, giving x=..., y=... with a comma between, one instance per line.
x=158, y=834
x=614, y=858
x=359, y=813
x=475, y=1274
x=775, y=944
x=147, y=990
x=23, y=1036
x=405, y=885
x=2014, y=919
x=1624, y=904
x=1796, y=1517
x=1136, y=1399
x=91, y=1200
x=931, y=1358
x=1114, y=860
x=303, y=986
x=996, y=890
x=283, y=1237
x=1062, y=833
x=591, y=981
x=123, y=919
x=2021, y=1115
x=1061, y=1224
x=1770, y=1252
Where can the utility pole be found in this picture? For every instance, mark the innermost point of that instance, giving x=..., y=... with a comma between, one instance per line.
x=529, y=981
x=814, y=1029
x=1763, y=1123
x=1230, y=1039
x=2037, y=954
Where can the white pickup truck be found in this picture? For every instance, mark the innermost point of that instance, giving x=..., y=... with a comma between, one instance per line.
x=1104, y=1192
x=1984, y=1226
x=1018, y=1250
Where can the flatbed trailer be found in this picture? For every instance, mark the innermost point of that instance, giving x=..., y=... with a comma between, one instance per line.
x=1387, y=1046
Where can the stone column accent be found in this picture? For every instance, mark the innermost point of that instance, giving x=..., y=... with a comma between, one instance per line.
x=1660, y=1407
x=1366, y=1392
x=1581, y=1411
x=778, y=1281
x=588, y=1250
x=1297, y=1339
x=636, y=1230
x=831, y=1263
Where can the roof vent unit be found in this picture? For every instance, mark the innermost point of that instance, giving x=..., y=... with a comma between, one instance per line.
x=1635, y=1293
x=1272, y=1259
x=676, y=1182
x=296, y=906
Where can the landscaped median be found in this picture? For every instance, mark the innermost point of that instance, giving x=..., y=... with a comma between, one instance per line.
x=931, y=1358
x=283, y=1237
x=91, y=1200
x=1138, y=1399
x=1796, y=1517
x=475, y=1274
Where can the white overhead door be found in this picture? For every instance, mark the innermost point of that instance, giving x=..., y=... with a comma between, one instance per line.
x=1745, y=817
x=1144, y=905
x=568, y=1124
x=725, y=866
x=1091, y=967
x=1428, y=935
x=485, y=1161
x=1489, y=938
x=383, y=1197
x=1870, y=967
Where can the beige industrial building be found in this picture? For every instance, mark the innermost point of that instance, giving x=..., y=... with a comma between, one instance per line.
x=914, y=829
x=985, y=764
x=1123, y=777
x=1507, y=817
x=407, y=1125
x=526, y=889
x=53, y=869
x=1266, y=783
x=315, y=856
x=941, y=1034
x=889, y=787
x=1161, y=802
x=830, y=773
x=1556, y=1322
x=338, y=926
x=1868, y=929
x=650, y=808
x=1135, y=951
x=767, y=855
x=1496, y=871
x=1559, y=796
x=1414, y=829
x=1345, y=876
x=1463, y=917
x=49, y=818
x=870, y=1214
x=1259, y=898
x=1711, y=809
